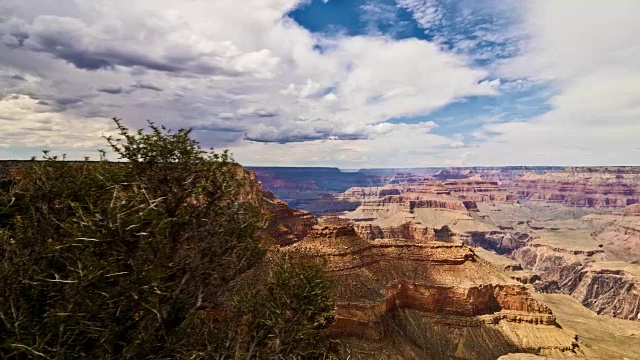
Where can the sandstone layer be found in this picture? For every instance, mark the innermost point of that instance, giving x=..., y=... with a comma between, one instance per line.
x=572, y=233
x=580, y=189
x=413, y=293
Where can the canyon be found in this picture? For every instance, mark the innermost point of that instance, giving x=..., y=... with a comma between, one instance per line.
x=478, y=263
x=466, y=263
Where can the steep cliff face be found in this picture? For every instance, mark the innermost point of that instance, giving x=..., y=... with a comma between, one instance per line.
x=408, y=211
x=472, y=301
x=579, y=189
x=610, y=288
x=499, y=241
x=622, y=240
x=409, y=293
x=477, y=189
x=606, y=287
x=286, y=225
x=558, y=265
x=408, y=202
x=408, y=231
x=360, y=193
x=401, y=294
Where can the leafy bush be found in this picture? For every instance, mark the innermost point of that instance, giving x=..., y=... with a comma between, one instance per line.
x=288, y=314
x=135, y=259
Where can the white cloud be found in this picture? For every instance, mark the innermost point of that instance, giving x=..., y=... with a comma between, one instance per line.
x=233, y=73
x=26, y=123
x=203, y=63
x=590, y=52
x=308, y=89
x=392, y=145
x=426, y=12
x=226, y=115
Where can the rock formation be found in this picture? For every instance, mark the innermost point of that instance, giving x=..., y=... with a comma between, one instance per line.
x=286, y=225
x=308, y=188
x=401, y=294
x=580, y=189
x=408, y=231
x=412, y=293
x=606, y=287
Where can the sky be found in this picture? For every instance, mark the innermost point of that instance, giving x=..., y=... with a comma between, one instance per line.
x=344, y=83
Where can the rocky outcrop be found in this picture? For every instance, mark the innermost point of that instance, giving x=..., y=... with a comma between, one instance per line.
x=360, y=193
x=475, y=300
x=621, y=241
x=579, y=189
x=387, y=287
x=609, y=291
x=632, y=210
x=609, y=288
x=286, y=225
x=554, y=264
x=408, y=231
x=476, y=189
x=410, y=203
x=407, y=204
x=500, y=242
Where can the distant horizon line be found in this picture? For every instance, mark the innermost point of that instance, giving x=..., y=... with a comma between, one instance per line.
x=445, y=167
x=385, y=168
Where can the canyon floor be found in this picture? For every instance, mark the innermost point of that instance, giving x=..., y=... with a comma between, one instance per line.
x=477, y=263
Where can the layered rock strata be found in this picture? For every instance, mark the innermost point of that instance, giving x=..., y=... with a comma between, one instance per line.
x=579, y=189
x=609, y=288
x=409, y=231
x=286, y=225
x=401, y=291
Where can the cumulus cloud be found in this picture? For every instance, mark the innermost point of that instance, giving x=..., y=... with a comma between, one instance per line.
x=226, y=115
x=250, y=112
x=412, y=145
x=243, y=79
x=589, y=52
x=104, y=45
x=30, y=123
x=317, y=129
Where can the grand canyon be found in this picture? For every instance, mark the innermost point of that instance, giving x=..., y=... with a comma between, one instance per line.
x=319, y=179
x=471, y=263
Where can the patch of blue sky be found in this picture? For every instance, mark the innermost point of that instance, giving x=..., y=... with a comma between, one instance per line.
x=471, y=113
x=469, y=27
x=480, y=29
x=357, y=17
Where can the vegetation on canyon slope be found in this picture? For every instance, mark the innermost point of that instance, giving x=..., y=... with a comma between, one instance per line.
x=158, y=256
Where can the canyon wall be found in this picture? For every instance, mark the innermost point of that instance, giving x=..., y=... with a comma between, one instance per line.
x=409, y=292
x=606, y=287
x=580, y=189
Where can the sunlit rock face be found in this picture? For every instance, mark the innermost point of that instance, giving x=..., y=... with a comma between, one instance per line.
x=404, y=289
x=606, y=287
x=408, y=231
x=581, y=187
x=409, y=287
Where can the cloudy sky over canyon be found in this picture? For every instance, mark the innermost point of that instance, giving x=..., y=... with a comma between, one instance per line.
x=347, y=83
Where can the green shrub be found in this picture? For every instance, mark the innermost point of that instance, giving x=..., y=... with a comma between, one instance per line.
x=129, y=260
x=288, y=314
